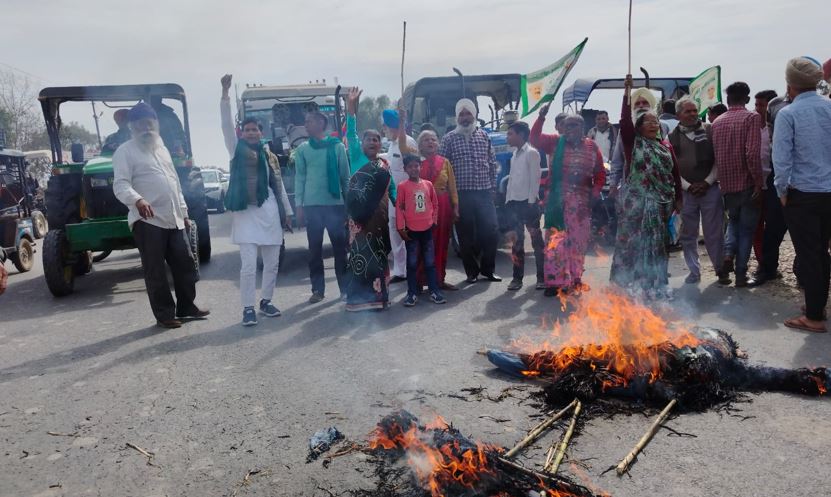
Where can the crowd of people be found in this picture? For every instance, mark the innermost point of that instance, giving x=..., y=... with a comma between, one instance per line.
x=766, y=171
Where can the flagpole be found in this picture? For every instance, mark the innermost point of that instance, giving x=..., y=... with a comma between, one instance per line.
x=403, y=50
x=630, y=38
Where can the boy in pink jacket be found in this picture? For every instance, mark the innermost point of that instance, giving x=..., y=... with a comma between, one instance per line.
x=416, y=212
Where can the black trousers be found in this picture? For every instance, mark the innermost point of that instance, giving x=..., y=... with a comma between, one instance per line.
x=775, y=229
x=478, y=232
x=332, y=218
x=158, y=246
x=809, y=220
x=525, y=216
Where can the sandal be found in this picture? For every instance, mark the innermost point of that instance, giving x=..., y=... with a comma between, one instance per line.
x=824, y=313
x=800, y=324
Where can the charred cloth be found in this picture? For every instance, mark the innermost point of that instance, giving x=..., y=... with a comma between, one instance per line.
x=440, y=461
x=705, y=370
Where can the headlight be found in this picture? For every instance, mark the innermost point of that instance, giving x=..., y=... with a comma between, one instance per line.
x=99, y=182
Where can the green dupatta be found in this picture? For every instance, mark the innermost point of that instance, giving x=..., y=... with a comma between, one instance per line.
x=237, y=197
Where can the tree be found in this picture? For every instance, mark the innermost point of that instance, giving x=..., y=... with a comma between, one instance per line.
x=369, y=112
x=17, y=109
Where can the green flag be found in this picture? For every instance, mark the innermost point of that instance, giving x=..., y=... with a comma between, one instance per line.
x=705, y=89
x=541, y=86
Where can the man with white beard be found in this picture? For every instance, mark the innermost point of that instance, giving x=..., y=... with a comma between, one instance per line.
x=146, y=182
x=469, y=150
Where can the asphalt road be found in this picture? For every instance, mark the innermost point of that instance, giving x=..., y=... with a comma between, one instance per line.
x=83, y=376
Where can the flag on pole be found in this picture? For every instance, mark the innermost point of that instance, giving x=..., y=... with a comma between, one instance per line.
x=541, y=86
x=705, y=89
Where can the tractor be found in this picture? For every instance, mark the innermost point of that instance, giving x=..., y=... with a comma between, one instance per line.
x=82, y=210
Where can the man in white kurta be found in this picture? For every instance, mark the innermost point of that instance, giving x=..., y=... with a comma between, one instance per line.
x=257, y=222
x=396, y=161
x=146, y=182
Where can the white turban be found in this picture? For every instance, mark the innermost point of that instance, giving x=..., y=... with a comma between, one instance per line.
x=466, y=104
x=647, y=95
x=803, y=73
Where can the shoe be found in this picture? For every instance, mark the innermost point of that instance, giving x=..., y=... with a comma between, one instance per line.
x=741, y=281
x=169, y=324
x=757, y=280
x=540, y=285
x=437, y=298
x=448, y=287
x=472, y=279
x=692, y=279
x=316, y=297
x=492, y=277
x=269, y=309
x=410, y=300
x=249, y=317
x=515, y=285
x=397, y=279
x=196, y=313
x=551, y=291
x=724, y=278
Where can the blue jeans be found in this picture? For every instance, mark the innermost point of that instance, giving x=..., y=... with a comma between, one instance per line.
x=331, y=218
x=421, y=244
x=742, y=218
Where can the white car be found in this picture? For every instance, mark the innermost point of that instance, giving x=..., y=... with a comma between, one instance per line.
x=215, y=188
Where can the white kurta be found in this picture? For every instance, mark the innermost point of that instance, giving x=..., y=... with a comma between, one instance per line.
x=258, y=225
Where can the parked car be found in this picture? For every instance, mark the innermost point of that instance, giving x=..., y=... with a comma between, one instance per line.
x=215, y=188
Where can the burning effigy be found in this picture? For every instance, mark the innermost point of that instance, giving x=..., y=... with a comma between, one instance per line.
x=441, y=462
x=611, y=346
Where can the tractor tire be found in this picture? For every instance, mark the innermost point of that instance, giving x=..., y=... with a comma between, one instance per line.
x=63, y=200
x=101, y=256
x=194, y=193
x=39, y=224
x=84, y=263
x=24, y=258
x=59, y=273
x=193, y=242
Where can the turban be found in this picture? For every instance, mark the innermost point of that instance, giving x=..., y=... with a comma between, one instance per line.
x=391, y=119
x=803, y=73
x=466, y=104
x=141, y=111
x=826, y=71
x=647, y=95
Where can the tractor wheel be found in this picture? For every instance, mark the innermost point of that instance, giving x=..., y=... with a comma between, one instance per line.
x=59, y=273
x=24, y=258
x=193, y=243
x=84, y=263
x=63, y=200
x=101, y=256
x=40, y=225
x=221, y=207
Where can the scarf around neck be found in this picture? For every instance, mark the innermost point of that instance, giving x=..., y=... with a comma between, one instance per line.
x=237, y=198
x=554, y=213
x=332, y=172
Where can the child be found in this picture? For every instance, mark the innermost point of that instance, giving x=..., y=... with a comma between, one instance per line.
x=416, y=212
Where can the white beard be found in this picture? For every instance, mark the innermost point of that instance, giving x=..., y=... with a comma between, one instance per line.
x=148, y=144
x=467, y=131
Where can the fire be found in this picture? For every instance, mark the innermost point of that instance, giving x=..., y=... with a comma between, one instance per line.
x=608, y=331
x=438, y=466
x=555, y=236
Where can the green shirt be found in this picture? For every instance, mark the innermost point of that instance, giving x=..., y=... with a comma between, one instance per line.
x=311, y=186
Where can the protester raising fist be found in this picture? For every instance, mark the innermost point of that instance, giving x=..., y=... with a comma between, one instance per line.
x=352, y=99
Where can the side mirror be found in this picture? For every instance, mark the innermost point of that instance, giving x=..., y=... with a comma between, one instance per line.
x=77, y=150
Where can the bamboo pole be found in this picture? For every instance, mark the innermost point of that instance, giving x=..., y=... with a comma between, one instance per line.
x=627, y=461
x=539, y=430
x=555, y=482
x=552, y=467
x=630, y=38
x=403, y=50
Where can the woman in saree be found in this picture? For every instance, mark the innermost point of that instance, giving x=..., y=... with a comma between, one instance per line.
x=437, y=170
x=575, y=179
x=367, y=201
x=651, y=190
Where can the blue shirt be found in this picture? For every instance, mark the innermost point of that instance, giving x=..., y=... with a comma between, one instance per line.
x=802, y=145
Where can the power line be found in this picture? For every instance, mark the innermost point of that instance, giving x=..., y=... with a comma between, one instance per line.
x=21, y=71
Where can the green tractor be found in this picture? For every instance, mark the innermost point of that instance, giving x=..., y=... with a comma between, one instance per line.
x=83, y=213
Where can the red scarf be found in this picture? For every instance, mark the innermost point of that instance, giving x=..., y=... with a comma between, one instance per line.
x=430, y=171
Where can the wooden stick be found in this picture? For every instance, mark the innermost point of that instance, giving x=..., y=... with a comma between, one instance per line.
x=403, y=50
x=561, y=452
x=627, y=461
x=630, y=38
x=539, y=430
x=545, y=478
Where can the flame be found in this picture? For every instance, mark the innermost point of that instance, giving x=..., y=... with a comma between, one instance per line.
x=555, y=236
x=607, y=330
x=436, y=467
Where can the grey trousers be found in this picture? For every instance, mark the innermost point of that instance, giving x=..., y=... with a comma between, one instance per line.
x=708, y=211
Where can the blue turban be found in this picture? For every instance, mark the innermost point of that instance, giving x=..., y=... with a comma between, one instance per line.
x=391, y=119
x=141, y=111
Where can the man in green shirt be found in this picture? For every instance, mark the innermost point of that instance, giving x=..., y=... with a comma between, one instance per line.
x=321, y=177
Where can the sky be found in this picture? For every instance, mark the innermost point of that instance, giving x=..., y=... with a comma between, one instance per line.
x=193, y=43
